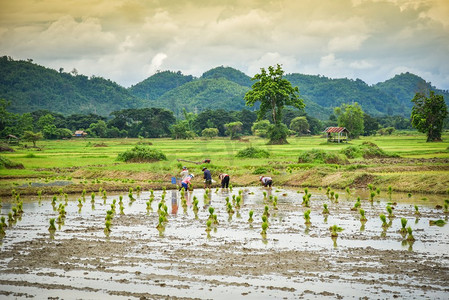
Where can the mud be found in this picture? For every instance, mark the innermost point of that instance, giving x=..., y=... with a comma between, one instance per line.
x=293, y=261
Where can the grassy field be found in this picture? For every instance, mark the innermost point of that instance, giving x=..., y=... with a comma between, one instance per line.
x=90, y=163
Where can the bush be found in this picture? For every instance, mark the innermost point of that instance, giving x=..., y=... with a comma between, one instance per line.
x=251, y=152
x=320, y=156
x=5, y=148
x=261, y=170
x=6, y=163
x=141, y=154
x=277, y=133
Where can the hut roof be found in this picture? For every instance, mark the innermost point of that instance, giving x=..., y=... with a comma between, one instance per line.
x=335, y=130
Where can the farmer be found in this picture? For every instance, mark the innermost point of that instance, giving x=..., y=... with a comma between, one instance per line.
x=184, y=173
x=266, y=181
x=224, y=180
x=207, y=178
x=186, y=182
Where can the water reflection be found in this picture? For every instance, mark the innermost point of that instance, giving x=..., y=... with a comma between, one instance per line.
x=174, y=202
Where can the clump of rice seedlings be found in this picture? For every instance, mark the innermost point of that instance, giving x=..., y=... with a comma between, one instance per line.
x=216, y=190
x=2, y=231
x=3, y=222
x=336, y=197
x=306, y=190
x=348, y=192
x=370, y=186
x=307, y=217
x=66, y=198
x=53, y=200
x=104, y=196
x=383, y=218
x=357, y=204
x=251, y=213
x=417, y=210
x=130, y=194
x=83, y=194
x=60, y=220
x=332, y=195
x=10, y=217
x=230, y=188
x=109, y=215
x=107, y=226
x=362, y=215
x=211, y=212
x=437, y=222
x=52, y=224
x=215, y=219
x=410, y=236
x=275, y=203
x=120, y=199
x=121, y=207
x=238, y=199
x=328, y=190
x=446, y=206
x=39, y=195
x=92, y=197
x=264, y=218
x=138, y=190
x=390, y=191
x=325, y=209
x=378, y=191
x=390, y=211
x=334, y=229
x=409, y=195
x=264, y=228
x=229, y=208
x=371, y=196
x=403, y=224
x=14, y=211
x=151, y=193
x=208, y=225
x=20, y=207
x=266, y=211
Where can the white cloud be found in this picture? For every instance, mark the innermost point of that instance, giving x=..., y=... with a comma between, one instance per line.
x=156, y=62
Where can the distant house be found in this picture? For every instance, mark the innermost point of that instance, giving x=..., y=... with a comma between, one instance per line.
x=80, y=133
x=12, y=139
x=336, y=134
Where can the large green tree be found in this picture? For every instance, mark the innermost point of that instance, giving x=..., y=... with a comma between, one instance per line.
x=274, y=93
x=300, y=125
x=428, y=114
x=351, y=116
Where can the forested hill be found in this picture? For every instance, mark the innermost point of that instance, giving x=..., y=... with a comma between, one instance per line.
x=30, y=87
x=404, y=87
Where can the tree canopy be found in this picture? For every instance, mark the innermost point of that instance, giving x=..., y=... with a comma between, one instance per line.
x=351, y=116
x=428, y=114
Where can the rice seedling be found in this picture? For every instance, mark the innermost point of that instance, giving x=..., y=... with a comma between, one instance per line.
x=60, y=220
x=417, y=210
x=372, y=195
x=307, y=217
x=104, y=196
x=251, y=213
x=378, y=191
x=39, y=195
x=334, y=229
x=306, y=191
x=275, y=203
x=264, y=228
x=14, y=211
x=332, y=195
x=362, y=215
x=2, y=231
x=83, y=194
x=80, y=202
x=130, y=195
x=10, y=217
x=107, y=225
x=390, y=211
x=409, y=195
x=66, y=198
x=53, y=200
x=266, y=211
x=238, y=199
x=357, y=204
x=390, y=191
x=230, y=188
x=328, y=190
x=121, y=207
x=92, y=197
x=403, y=230
x=383, y=218
x=151, y=193
x=348, y=193
x=440, y=223
x=446, y=206
x=120, y=199
x=229, y=208
x=109, y=215
x=3, y=222
x=325, y=209
x=215, y=219
x=138, y=190
x=336, y=197
x=52, y=224
x=264, y=218
x=370, y=186
x=209, y=225
x=211, y=212
x=20, y=207
x=410, y=236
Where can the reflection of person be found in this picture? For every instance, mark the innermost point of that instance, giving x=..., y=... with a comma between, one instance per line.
x=224, y=180
x=266, y=181
x=186, y=182
x=207, y=178
x=174, y=202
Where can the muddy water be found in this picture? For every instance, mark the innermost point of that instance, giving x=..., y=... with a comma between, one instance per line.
x=136, y=260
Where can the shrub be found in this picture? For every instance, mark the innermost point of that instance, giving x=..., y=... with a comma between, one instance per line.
x=365, y=150
x=251, y=152
x=6, y=163
x=141, y=154
x=261, y=170
x=321, y=156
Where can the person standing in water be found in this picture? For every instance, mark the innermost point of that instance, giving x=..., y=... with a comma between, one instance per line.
x=224, y=178
x=207, y=178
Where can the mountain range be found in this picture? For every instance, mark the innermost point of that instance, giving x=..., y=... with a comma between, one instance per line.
x=31, y=87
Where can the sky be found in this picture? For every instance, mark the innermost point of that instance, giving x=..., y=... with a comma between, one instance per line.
x=127, y=41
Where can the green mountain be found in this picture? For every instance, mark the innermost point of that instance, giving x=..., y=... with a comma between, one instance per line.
x=230, y=74
x=155, y=86
x=404, y=87
x=203, y=94
x=30, y=87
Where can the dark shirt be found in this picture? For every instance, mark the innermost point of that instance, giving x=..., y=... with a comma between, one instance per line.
x=207, y=175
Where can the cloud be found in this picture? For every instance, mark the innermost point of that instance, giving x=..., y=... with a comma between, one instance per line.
x=156, y=62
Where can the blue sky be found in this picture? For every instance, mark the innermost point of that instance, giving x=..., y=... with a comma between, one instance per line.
x=129, y=40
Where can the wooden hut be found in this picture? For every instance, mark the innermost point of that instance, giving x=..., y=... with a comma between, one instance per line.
x=336, y=134
x=80, y=133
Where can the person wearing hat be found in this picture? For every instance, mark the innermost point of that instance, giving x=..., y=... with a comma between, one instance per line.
x=266, y=181
x=186, y=182
x=184, y=173
x=207, y=178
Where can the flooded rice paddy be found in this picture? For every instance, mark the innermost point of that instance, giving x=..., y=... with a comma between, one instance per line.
x=135, y=260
